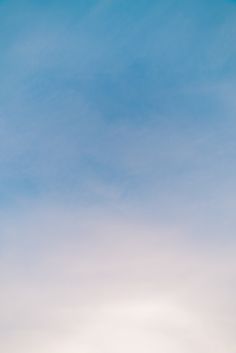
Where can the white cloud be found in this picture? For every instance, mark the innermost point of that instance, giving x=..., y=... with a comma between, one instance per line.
x=94, y=282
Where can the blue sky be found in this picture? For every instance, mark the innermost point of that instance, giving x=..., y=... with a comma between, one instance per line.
x=120, y=103
x=117, y=123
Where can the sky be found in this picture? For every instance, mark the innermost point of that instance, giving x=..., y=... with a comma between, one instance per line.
x=117, y=176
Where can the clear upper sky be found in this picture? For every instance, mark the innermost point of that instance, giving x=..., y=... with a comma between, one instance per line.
x=131, y=96
x=117, y=113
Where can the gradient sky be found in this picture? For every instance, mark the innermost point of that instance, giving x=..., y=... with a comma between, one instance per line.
x=117, y=176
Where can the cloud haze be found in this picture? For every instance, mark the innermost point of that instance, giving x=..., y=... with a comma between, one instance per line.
x=101, y=282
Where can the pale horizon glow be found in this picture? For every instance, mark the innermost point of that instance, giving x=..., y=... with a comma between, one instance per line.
x=122, y=291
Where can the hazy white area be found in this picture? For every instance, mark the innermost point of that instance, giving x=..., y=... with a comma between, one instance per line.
x=99, y=283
